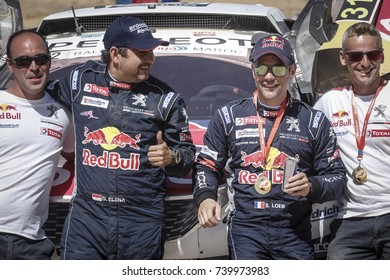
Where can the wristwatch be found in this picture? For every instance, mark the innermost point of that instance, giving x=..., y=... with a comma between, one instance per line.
x=176, y=156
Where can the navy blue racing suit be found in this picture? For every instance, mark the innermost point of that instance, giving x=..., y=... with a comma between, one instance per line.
x=117, y=211
x=271, y=225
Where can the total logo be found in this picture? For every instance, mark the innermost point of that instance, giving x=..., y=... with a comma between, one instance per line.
x=51, y=132
x=110, y=138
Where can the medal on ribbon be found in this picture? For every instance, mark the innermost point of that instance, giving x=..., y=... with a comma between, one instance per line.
x=359, y=175
x=263, y=185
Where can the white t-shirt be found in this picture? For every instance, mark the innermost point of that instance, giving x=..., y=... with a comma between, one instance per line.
x=32, y=135
x=373, y=197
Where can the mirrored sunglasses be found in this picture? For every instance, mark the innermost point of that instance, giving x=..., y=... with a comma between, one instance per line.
x=276, y=70
x=25, y=61
x=373, y=55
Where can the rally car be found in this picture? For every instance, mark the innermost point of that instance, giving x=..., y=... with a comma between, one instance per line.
x=207, y=62
x=316, y=38
x=10, y=21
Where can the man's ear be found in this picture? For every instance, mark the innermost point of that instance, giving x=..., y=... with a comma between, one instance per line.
x=114, y=53
x=293, y=70
x=343, y=58
x=9, y=65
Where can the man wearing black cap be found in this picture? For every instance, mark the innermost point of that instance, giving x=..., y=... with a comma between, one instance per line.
x=281, y=156
x=131, y=131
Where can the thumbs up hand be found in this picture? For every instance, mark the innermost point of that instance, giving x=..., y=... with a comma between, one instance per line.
x=159, y=137
x=159, y=155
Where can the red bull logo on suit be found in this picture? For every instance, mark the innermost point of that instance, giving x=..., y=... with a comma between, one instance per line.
x=109, y=138
x=275, y=159
x=249, y=178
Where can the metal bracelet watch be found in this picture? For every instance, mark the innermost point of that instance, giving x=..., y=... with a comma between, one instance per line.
x=176, y=156
x=310, y=188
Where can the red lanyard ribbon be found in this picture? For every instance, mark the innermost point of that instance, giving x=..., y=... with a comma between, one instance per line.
x=361, y=138
x=266, y=147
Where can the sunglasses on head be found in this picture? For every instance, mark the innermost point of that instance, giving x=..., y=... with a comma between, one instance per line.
x=373, y=55
x=25, y=61
x=276, y=70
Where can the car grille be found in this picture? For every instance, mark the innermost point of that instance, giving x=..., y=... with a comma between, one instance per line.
x=181, y=216
x=182, y=20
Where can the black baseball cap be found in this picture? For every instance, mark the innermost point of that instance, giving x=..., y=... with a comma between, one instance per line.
x=131, y=32
x=276, y=45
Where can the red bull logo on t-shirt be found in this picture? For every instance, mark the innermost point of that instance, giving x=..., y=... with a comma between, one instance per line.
x=341, y=118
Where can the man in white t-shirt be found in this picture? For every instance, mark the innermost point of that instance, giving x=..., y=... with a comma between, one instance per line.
x=34, y=129
x=360, y=117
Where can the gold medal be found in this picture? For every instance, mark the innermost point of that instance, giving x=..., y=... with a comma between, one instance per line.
x=263, y=185
x=359, y=175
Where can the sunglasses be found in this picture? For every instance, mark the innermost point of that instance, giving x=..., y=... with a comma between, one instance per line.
x=25, y=61
x=373, y=55
x=276, y=70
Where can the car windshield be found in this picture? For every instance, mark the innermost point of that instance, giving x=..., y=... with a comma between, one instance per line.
x=205, y=82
